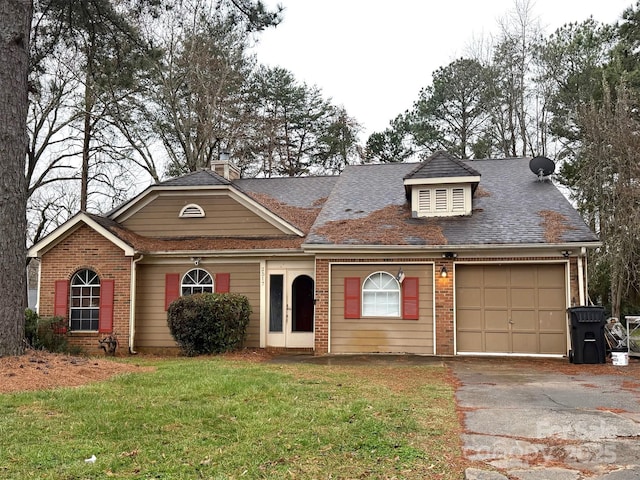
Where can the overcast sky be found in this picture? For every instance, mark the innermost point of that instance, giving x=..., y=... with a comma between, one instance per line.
x=373, y=56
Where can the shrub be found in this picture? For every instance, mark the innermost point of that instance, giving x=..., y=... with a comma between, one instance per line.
x=209, y=322
x=52, y=335
x=31, y=319
x=46, y=333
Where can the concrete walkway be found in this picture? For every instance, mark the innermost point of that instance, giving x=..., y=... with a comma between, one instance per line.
x=533, y=423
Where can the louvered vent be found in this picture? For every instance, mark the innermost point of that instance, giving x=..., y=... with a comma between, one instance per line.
x=457, y=200
x=441, y=200
x=191, y=211
x=424, y=201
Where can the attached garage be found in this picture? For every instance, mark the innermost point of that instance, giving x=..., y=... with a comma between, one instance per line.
x=511, y=309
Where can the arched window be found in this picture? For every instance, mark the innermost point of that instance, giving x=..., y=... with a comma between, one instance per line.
x=85, y=300
x=381, y=296
x=197, y=281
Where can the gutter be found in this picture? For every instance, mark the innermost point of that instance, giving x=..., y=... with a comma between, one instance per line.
x=228, y=253
x=436, y=249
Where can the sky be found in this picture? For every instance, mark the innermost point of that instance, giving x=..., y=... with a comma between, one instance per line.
x=374, y=56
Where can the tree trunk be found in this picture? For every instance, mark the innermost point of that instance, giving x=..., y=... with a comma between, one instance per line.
x=15, y=25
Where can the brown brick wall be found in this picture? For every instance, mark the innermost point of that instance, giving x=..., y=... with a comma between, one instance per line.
x=322, y=307
x=444, y=307
x=86, y=248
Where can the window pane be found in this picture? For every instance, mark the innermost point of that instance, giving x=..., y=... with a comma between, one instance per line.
x=381, y=296
x=197, y=281
x=85, y=300
x=276, y=294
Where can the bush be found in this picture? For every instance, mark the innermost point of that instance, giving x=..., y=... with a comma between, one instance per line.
x=209, y=322
x=31, y=319
x=46, y=333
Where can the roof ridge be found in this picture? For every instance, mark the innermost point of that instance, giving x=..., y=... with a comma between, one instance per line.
x=207, y=171
x=441, y=155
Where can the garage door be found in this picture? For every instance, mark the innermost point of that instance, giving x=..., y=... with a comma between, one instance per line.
x=517, y=309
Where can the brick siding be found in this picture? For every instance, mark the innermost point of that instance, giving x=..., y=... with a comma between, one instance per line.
x=85, y=248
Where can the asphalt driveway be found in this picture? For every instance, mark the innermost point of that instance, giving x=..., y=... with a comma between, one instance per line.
x=535, y=419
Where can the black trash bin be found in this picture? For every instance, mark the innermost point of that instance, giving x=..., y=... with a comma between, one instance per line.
x=587, y=335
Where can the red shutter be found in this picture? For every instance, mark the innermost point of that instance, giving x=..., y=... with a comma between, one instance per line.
x=352, y=297
x=61, y=299
x=105, y=322
x=223, y=282
x=410, y=310
x=171, y=288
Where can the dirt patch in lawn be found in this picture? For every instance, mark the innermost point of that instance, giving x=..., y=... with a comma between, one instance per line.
x=38, y=370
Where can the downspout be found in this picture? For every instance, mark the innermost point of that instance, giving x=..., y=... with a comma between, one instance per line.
x=581, y=281
x=586, y=276
x=132, y=304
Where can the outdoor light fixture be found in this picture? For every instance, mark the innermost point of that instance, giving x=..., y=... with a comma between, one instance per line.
x=566, y=253
x=443, y=272
x=195, y=260
x=400, y=276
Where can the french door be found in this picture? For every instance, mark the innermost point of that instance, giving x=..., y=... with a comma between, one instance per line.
x=290, y=308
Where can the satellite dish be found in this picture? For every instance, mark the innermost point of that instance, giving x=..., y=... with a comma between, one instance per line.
x=542, y=166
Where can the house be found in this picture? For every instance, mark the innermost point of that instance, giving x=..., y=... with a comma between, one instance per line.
x=441, y=257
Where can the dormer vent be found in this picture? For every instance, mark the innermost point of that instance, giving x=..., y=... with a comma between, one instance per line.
x=441, y=186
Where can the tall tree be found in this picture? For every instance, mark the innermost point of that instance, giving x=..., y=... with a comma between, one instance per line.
x=200, y=94
x=339, y=143
x=607, y=191
x=290, y=120
x=15, y=24
x=572, y=62
x=513, y=103
x=394, y=144
x=451, y=112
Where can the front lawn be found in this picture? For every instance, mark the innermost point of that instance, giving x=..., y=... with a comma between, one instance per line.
x=219, y=418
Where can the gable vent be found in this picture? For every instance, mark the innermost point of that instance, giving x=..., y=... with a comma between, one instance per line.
x=191, y=211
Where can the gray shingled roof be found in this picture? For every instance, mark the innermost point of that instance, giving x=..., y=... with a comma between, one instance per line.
x=508, y=212
x=196, y=179
x=442, y=165
x=302, y=192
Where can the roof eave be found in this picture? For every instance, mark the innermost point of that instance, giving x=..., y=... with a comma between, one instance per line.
x=48, y=242
x=227, y=253
x=442, y=180
x=328, y=248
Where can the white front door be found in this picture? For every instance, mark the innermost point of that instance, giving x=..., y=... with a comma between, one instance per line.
x=290, y=308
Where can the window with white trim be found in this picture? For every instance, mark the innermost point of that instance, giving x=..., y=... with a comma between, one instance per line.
x=191, y=211
x=381, y=296
x=196, y=281
x=85, y=301
x=442, y=201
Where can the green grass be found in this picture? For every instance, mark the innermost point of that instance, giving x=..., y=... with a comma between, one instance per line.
x=216, y=418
